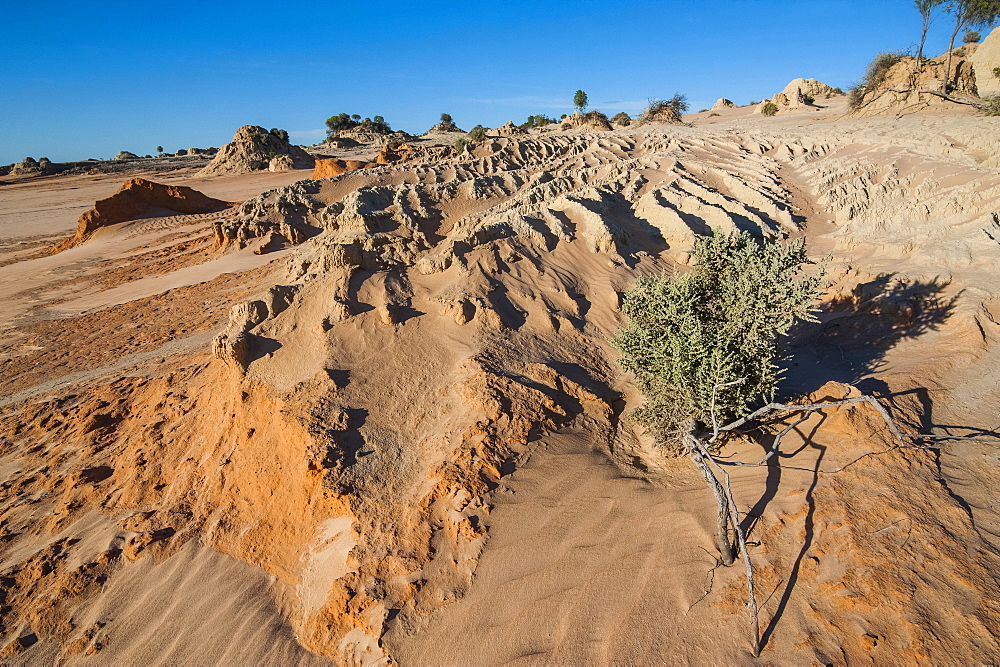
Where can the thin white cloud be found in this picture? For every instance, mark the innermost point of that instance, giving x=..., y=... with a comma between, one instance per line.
x=523, y=101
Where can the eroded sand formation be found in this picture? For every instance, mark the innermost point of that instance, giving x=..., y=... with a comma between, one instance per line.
x=385, y=402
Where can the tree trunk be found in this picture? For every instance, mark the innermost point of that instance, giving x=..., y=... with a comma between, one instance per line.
x=951, y=44
x=724, y=521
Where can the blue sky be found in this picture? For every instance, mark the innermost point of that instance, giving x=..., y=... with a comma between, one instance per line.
x=87, y=79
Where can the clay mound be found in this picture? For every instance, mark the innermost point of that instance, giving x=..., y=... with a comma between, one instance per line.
x=723, y=103
x=252, y=149
x=592, y=120
x=798, y=94
x=444, y=127
x=984, y=59
x=508, y=129
x=126, y=155
x=135, y=197
x=29, y=166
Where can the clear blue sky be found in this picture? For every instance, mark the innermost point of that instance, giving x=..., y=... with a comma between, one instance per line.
x=89, y=78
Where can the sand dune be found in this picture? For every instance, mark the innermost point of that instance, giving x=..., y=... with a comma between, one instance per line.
x=375, y=417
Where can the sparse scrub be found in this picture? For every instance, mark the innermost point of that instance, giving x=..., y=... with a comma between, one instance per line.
x=477, y=134
x=971, y=37
x=996, y=72
x=690, y=333
x=461, y=145
x=280, y=134
x=873, y=78
x=769, y=109
x=809, y=99
x=960, y=52
x=990, y=106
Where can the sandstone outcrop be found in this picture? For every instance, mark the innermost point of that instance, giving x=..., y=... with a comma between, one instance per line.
x=126, y=155
x=135, y=197
x=252, y=149
x=904, y=86
x=985, y=60
x=722, y=103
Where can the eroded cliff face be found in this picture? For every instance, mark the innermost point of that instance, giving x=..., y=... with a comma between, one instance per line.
x=344, y=413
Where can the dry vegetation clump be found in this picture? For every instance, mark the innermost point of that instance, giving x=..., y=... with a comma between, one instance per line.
x=769, y=109
x=873, y=78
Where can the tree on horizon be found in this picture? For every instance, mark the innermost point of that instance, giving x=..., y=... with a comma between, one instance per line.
x=580, y=101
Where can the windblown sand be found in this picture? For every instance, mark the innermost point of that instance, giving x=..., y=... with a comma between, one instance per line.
x=376, y=417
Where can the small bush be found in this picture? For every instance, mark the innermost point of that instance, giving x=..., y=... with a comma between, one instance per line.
x=753, y=103
x=712, y=114
x=181, y=151
x=971, y=37
x=874, y=76
x=477, y=134
x=621, y=118
x=808, y=99
x=996, y=72
x=721, y=323
x=769, y=109
x=446, y=118
x=959, y=52
x=461, y=145
x=539, y=120
x=280, y=134
x=990, y=106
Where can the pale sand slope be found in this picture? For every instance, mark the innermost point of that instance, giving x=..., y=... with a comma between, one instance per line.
x=443, y=334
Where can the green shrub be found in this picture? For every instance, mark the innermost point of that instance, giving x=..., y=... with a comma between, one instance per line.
x=808, y=99
x=461, y=145
x=996, y=72
x=720, y=323
x=446, y=118
x=280, y=134
x=621, y=118
x=340, y=122
x=769, y=108
x=959, y=52
x=539, y=120
x=477, y=134
x=971, y=37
